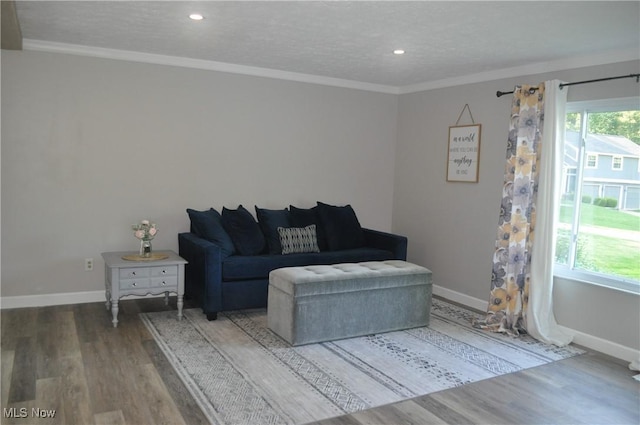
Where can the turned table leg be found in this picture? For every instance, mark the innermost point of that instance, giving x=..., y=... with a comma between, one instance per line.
x=180, y=304
x=114, y=313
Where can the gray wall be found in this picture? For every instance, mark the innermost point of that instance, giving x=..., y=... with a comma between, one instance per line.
x=90, y=146
x=452, y=226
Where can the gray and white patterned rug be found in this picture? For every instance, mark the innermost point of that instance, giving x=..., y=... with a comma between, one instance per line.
x=240, y=372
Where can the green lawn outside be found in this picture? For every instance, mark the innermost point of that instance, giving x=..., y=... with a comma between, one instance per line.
x=592, y=215
x=609, y=255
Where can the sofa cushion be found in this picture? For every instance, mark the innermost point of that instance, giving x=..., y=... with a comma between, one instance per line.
x=298, y=239
x=208, y=225
x=238, y=267
x=269, y=221
x=341, y=227
x=244, y=231
x=301, y=217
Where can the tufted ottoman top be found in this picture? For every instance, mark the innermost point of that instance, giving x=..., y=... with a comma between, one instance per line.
x=348, y=277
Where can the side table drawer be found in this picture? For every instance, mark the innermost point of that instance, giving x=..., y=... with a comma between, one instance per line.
x=142, y=282
x=134, y=272
x=167, y=281
x=164, y=271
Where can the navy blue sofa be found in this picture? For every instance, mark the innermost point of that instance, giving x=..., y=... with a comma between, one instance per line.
x=219, y=278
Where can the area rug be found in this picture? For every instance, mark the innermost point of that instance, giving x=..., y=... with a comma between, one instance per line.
x=240, y=372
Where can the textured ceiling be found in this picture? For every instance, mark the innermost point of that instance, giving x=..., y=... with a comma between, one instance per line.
x=346, y=40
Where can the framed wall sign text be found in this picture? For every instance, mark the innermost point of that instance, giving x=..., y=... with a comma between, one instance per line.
x=464, y=153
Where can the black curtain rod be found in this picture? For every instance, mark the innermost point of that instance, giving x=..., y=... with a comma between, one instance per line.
x=533, y=89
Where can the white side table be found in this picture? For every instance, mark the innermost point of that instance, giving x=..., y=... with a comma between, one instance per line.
x=125, y=277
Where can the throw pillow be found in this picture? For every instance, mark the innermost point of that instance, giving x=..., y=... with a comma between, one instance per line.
x=208, y=225
x=341, y=226
x=269, y=221
x=244, y=231
x=296, y=240
x=301, y=217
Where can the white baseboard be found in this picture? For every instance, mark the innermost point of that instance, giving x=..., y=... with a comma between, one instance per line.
x=461, y=298
x=592, y=342
x=51, y=299
x=604, y=346
x=58, y=299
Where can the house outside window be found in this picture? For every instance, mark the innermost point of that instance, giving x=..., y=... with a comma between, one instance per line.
x=598, y=231
x=617, y=163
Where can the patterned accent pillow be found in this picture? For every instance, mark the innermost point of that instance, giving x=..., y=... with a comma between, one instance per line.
x=295, y=240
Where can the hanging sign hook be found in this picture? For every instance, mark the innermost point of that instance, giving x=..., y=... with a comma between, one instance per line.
x=466, y=106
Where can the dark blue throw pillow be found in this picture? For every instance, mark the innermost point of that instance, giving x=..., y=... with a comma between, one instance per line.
x=341, y=227
x=269, y=221
x=208, y=225
x=301, y=217
x=244, y=231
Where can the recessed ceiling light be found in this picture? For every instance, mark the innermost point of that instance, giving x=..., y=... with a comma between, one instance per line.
x=398, y=52
x=196, y=17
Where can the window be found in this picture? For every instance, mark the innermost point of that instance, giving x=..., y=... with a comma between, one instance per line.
x=616, y=163
x=598, y=231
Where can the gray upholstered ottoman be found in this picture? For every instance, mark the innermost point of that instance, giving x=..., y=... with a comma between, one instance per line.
x=323, y=303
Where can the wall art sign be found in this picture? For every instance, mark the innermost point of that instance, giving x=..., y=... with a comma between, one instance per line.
x=464, y=153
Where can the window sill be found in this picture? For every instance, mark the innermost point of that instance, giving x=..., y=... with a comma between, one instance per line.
x=597, y=279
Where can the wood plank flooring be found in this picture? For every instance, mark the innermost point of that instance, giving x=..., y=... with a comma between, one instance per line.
x=69, y=359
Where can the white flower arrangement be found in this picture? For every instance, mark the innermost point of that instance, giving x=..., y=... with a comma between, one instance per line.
x=145, y=230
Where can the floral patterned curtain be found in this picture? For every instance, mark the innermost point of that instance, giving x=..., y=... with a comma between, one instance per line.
x=516, y=226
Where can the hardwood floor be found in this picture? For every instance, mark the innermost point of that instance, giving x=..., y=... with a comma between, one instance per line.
x=69, y=359
x=588, y=389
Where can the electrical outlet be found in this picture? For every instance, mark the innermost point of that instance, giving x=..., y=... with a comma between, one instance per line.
x=88, y=264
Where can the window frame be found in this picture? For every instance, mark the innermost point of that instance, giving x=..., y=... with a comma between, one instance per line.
x=613, y=162
x=595, y=161
x=568, y=271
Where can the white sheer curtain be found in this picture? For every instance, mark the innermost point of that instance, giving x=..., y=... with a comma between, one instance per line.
x=541, y=322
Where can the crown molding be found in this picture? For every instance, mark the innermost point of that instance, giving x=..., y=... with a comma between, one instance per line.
x=132, y=56
x=529, y=69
